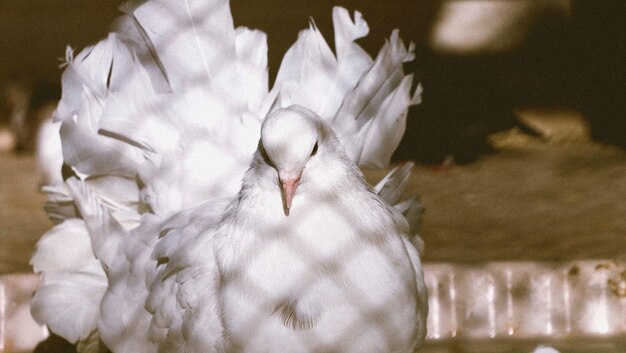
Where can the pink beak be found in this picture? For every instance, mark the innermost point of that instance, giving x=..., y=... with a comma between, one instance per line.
x=290, y=184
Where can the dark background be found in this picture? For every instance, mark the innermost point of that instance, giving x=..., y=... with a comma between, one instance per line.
x=574, y=60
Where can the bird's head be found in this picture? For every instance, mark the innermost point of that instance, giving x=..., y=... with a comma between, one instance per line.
x=290, y=137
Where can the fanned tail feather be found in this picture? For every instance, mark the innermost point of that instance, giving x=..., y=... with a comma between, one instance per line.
x=59, y=205
x=198, y=33
x=365, y=101
x=164, y=115
x=134, y=35
x=106, y=233
x=73, y=281
x=372, y=117
x=352, y=59
x=125, y=257
x=85, y=93
x=310, y=75
x=393, y=190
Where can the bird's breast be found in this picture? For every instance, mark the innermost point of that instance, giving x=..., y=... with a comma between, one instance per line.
x=286, y=251
x=318, y=272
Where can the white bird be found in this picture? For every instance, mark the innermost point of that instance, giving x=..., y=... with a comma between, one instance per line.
x=160, y=122
x=310, y=258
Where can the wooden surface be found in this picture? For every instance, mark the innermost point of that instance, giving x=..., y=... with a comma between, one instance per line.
x=22, y=220
x=561, y=202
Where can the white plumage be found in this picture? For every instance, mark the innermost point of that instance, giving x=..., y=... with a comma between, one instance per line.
x=334, y=272
x=160, y=122
x=74, y=281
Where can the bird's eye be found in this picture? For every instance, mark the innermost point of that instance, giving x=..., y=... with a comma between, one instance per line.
x=264, y=155
x=314, y=152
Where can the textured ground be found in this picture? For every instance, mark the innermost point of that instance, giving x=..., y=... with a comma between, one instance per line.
x=22, y=220
x=539, y=202
x=547, y=202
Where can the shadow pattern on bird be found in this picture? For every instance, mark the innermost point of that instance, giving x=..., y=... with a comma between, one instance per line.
x=311, y=269
x=164, y=115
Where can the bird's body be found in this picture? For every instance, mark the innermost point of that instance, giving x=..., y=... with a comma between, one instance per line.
x=336, y=273
x=315, y=281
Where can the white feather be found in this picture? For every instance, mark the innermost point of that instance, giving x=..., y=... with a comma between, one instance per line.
x=70, y=232
x=310, y=75
x=160, y=122
x=197, y=33
x=69, y=300
x=60, y=205
x=185, y=316
x=336, y=272
x=126, y=257
x=73, y=283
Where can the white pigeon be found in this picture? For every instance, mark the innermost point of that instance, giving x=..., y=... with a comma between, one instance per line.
x=310, y=258
x=180, y=282
x=159, y=123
